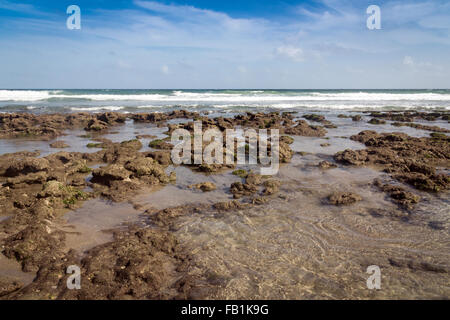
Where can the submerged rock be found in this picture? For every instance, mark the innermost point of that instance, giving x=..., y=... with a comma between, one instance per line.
x=229, y=205
x=204, y=186
x=271, y=187
x=253, y=178
x=405, y=199
x=239, y=189
x=343, y=198
x=376, y=121
x=8, y=286
x=326, y=165
x=59, y=144
x=240, y=173
x=415, y=265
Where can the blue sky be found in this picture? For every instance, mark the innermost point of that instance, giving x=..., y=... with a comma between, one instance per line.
x=226, y=44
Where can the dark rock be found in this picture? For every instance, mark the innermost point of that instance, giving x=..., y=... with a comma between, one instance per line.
x=59, y=144
x=326, y=165
x=204, y=186
x=343, y=198
x=27, y=165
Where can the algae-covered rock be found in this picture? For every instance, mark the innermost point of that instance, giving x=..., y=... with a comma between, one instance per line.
x=343, y=198
x=110, y=173
x=146, y=167
x=204, y=186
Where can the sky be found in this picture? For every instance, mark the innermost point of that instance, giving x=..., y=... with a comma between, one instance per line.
x=206, y=44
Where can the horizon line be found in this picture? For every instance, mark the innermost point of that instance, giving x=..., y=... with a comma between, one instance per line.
x=217, y=89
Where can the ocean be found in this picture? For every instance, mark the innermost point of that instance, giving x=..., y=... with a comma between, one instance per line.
x=48, y=101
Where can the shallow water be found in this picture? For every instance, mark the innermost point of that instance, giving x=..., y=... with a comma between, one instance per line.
x=12, y=270
x=129, y=131
x=77, y=143
x=297, y=246
x=88, y=226
x=181, y=194
x=300, y=248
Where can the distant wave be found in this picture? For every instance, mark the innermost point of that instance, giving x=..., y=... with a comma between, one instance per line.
x=25, y=95
x=135, y=100
x=246, y=96
x=103, y=108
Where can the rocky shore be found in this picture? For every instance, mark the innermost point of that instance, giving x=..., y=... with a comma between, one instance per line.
x=146, y=260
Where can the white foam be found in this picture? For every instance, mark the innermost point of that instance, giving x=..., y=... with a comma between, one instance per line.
x=29, y=95
x=109, y=108
x=288, y=99
x=25, y=95
x=241, y=98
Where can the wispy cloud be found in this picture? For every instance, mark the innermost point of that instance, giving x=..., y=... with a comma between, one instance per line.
x=293, y=53
x=408, y=61
x=165, y=69
x=19, y=7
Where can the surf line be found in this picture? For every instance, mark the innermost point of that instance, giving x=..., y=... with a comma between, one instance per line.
x=193, y=310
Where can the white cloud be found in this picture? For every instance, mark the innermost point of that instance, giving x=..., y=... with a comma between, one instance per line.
x=291, y=52
x=408, y=61
x=425, y=68
x=165, y=69
x=242, y=69
x=123, y=64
